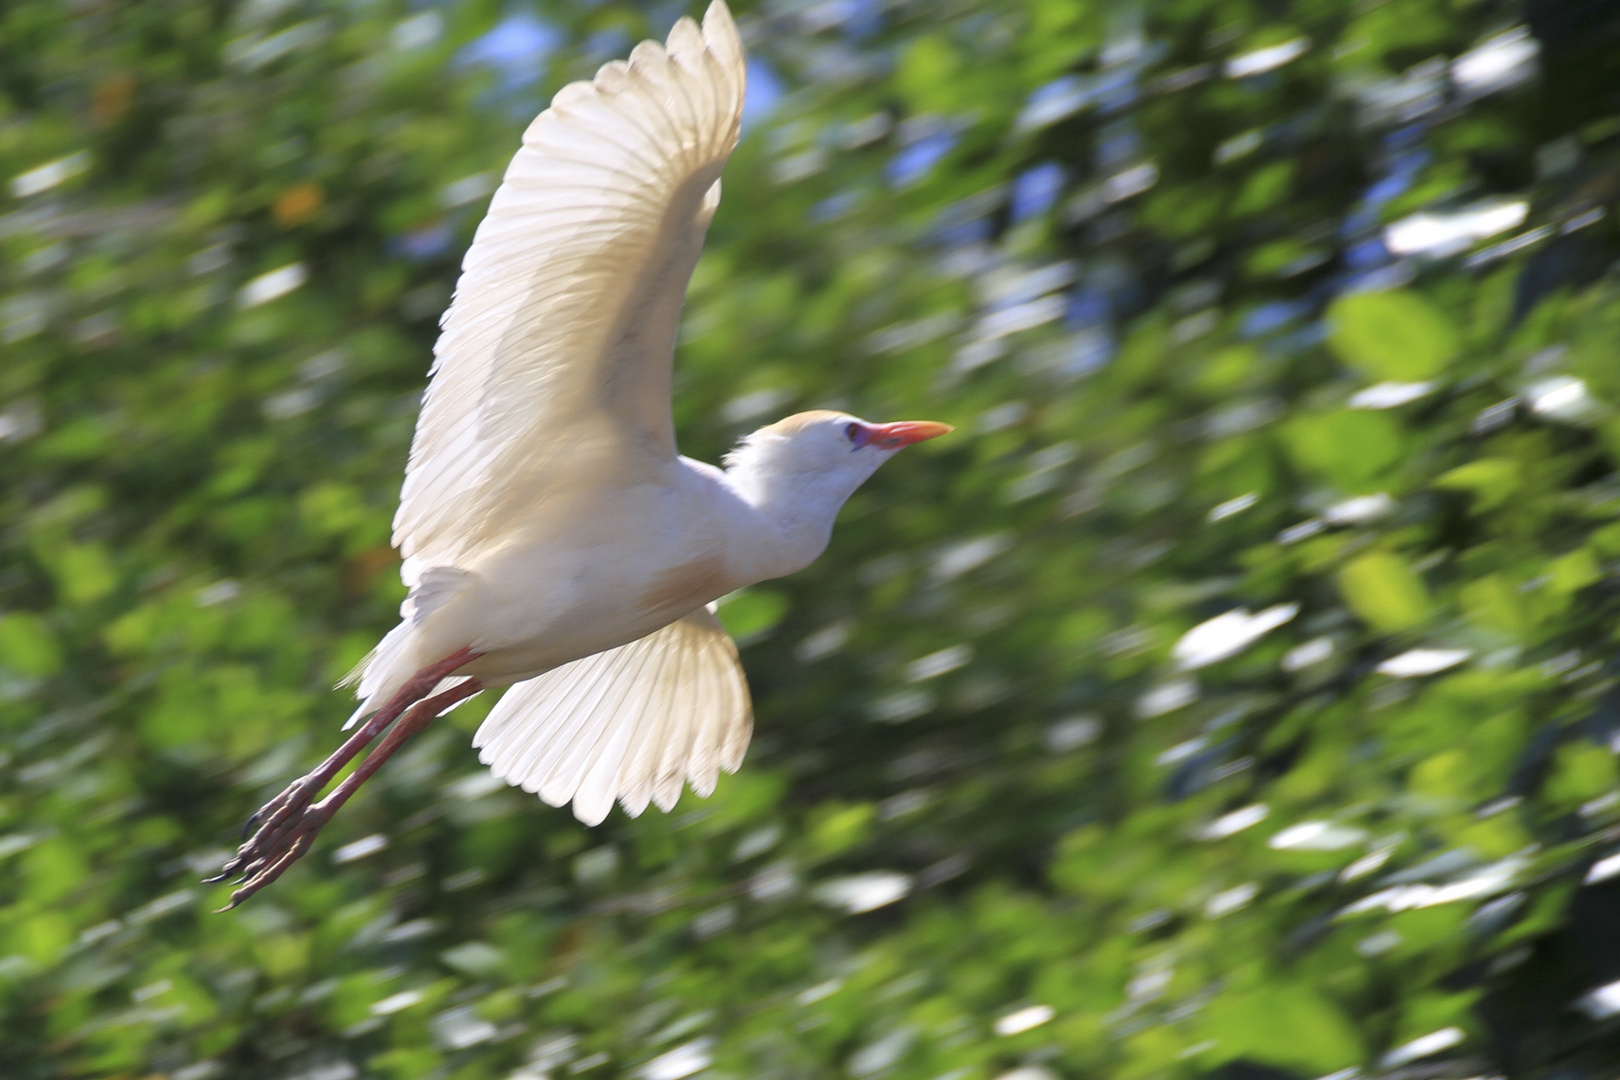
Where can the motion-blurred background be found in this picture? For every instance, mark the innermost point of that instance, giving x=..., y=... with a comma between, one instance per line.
x=1233, y=696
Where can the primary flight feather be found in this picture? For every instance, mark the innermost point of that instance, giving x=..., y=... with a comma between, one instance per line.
x=552, y=536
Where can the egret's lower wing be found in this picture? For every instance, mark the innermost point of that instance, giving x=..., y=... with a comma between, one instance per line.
x=631, y=723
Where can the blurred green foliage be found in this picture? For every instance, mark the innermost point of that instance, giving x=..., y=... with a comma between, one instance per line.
x=1238, y=306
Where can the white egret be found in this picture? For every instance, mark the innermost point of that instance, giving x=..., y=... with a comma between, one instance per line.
x=553, y=539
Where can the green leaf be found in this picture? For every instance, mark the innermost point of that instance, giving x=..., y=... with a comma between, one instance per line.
x=84, y=571
x=43, y=937
x=1492, y=481
x=1351, y=448
x=1394, y=335
x=1384, y=592
x=925, y=75
x=1581, y=771
x=1444, y=775
x=337, y=509
x=1573, y=572
x=1494, y=603
x=750, y=614
x=836, y=827
x=27, y=645
x=1267, y=187
x=1287, y=1025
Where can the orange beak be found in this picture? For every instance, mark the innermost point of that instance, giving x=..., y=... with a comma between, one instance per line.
x=905, y=432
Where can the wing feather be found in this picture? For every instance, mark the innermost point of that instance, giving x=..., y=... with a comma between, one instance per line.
x=563, y=325
x=575, y=702
x=631, y=723
x=597, y=725
x=702, y=762
x=599, y=787
x=585, y=701
x=653, y=778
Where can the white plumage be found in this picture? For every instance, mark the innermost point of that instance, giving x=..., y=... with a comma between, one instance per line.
x=555, y=355
x=631, y=723
x=552, y=536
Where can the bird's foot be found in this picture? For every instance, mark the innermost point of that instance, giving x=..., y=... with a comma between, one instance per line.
x=287, y=830
x=270, y=826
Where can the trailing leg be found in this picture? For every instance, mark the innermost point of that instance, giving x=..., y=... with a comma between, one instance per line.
x=280, y=832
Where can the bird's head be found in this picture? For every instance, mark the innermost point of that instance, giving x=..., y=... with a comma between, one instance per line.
x=823, y=453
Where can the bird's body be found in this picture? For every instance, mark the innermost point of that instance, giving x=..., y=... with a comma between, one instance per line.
x=602, y=566
x=553, y=539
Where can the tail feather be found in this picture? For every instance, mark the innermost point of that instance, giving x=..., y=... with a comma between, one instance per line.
x=388, y=666
x=380, y=675
x=358, y=672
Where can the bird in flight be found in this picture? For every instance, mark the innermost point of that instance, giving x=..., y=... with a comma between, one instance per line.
x=554, y=541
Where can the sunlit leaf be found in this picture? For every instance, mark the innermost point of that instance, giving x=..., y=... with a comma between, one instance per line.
x=1492, y=481
x=752, y=613
x=1281, y=1025
x=1394, y=335
x=1381, y=589
x=1349, y=447
x=27, y=645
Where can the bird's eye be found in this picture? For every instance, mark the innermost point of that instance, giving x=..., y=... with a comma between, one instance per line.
x=853, y=433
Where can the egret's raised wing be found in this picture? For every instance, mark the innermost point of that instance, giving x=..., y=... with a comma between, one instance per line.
x=553, y=368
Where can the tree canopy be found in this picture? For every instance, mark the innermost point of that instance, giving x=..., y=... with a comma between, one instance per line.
x=1232, y=696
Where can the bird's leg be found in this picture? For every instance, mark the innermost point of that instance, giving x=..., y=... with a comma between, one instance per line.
x=295, y=836
x=301, y=792
x=275, y=818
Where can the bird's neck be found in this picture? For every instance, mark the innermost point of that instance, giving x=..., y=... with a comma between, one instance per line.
x=794, y=510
